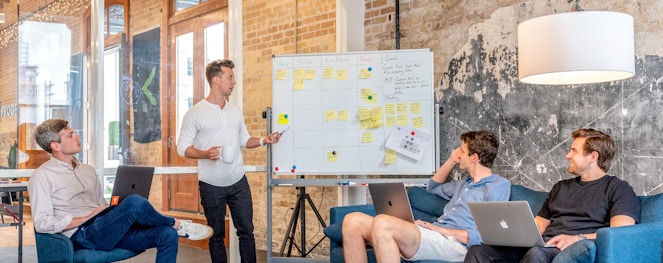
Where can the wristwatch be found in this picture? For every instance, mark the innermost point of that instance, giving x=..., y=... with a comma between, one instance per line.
x=582, y=237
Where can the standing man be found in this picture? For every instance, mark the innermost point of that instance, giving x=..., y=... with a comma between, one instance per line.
x=575, y=208
x=65, y=193
x=208, y=127
x=449, y=237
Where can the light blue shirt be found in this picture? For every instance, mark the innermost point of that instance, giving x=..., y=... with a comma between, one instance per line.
x=456, y=213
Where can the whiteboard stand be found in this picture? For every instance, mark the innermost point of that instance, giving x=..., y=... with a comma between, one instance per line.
x=267, y=114
x=299, y=213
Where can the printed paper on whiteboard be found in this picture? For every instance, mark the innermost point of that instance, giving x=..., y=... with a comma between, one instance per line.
x=409, y=141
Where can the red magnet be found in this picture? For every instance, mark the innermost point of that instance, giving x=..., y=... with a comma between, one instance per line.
x=412, y=133
x=276, y=168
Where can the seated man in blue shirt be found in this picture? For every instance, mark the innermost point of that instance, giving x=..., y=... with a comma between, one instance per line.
x=449, y=237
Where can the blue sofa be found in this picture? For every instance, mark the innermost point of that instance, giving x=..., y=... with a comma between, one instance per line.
x=59, y=248
x=637, y=243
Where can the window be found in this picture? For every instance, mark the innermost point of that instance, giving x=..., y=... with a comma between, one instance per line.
x=113, y=20
x=184, y=4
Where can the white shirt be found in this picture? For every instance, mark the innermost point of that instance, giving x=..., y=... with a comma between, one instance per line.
x=206, y=125
x=58, y=193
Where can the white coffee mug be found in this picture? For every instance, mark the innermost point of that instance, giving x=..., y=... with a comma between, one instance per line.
x=228, y=153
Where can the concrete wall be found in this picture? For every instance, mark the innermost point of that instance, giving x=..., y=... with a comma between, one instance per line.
x=475, y=50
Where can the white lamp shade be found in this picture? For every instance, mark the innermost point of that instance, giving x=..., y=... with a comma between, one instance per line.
x=576, y=48
x=2, y=17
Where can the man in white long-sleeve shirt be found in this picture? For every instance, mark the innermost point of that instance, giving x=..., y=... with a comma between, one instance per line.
x=65, y=193
x=210, y=125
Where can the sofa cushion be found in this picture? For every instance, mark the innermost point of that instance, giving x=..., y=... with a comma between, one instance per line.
x=334, y=232
x=651, y=208
x=425, y=202
x=534, y=198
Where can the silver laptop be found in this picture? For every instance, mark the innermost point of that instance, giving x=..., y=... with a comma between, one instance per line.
x=506, y=224
x=128, y=180
x=391, y=199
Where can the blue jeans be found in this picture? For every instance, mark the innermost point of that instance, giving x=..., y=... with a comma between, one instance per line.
x=133, y=225
x=238, y=198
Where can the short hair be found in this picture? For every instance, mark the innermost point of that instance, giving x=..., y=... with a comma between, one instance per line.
x=484, y=144
x=49, y=131
x=600, y=142
x=214, y=67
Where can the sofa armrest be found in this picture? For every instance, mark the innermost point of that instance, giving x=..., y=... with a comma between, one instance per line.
x=54, y=248
x=636, y=243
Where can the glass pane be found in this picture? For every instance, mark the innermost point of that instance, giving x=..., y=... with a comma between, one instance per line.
x=184, y=4
x=115, y=19
x=214, y=45
x=51, y=84
x=184, y=77
x=111, y=107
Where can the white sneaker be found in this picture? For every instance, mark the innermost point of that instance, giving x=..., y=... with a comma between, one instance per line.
x=194, y=231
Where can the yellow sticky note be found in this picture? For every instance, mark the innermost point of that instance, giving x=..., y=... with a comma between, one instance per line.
x=364, y=74
x=342, y=74
x=402, y=120
x=415, y=107
x=365, y=124
x=299, y=74
x=330, y=115
x=390, y=108
x=343, y=115
x=418, y=122
x=283, y=119
x=372, y=99
x=376, y=113
x=367, y=137
x=299, y=84
x=309, y=74
x=376, y=123
x=391, y=121
x=364, y=114
x=364, y=93
x=389, y=156
x=402, y=108
x=328, y=73
x=280, y=74
x=332, y=157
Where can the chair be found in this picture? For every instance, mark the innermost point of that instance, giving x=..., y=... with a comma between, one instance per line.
x=59, y=248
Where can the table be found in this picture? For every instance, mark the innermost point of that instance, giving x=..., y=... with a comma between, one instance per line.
x=18, y=188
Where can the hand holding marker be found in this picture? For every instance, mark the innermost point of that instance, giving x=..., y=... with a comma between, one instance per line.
x=284, y=130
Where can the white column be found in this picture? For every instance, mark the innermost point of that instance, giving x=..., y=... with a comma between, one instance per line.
x=350, y=37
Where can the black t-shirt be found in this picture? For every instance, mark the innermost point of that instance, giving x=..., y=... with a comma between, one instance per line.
x=575, y=207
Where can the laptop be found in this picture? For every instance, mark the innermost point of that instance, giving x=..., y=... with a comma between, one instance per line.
x=128, y=180
x=508, y=223
x=391, y=199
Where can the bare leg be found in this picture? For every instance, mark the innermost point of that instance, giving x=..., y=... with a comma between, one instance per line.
x=356, y=233
x=393, y=237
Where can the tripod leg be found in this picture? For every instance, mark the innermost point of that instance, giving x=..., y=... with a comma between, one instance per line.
x=317, y=213
x=290, y=233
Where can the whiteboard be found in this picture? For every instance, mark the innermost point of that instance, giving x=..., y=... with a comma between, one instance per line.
x=339, y=110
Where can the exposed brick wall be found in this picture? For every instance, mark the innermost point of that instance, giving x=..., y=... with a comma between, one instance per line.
x=144, y=15
x=269, y=29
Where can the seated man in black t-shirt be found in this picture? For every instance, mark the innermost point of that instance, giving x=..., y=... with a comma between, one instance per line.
x=575, y=208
